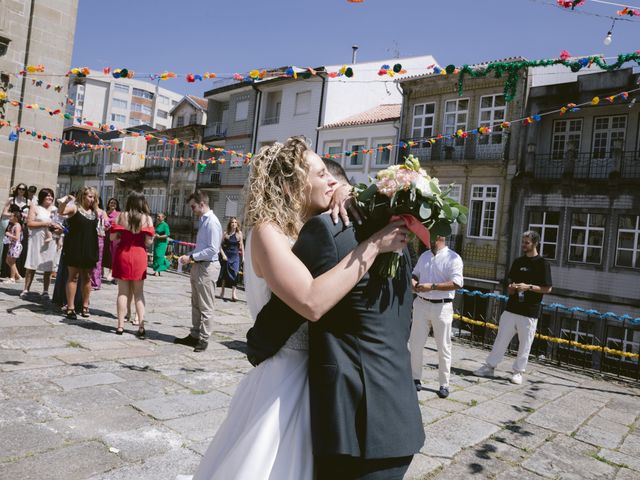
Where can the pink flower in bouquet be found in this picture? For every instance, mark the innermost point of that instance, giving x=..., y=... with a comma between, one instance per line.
x=405, y=178
x=387, y=186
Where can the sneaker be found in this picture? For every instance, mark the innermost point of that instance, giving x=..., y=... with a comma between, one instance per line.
x=418, y=385
x=188, y=340
x=484, y=371
x=516, y=378
x=201, y=346
x=443, y=392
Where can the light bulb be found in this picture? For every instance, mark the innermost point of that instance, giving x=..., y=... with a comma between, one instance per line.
x=607, y=39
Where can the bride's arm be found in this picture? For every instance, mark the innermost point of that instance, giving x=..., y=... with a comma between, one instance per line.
x=289, y=278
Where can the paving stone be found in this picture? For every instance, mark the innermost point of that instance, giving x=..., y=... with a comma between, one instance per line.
x=142, y=443
x=430, y=415
x=626, y=474
x=631, y=444
x=97, y=423
x=207, y=380
x=181, y=405
x=518, y=473
x=162, y=467
x=484, y=460
x=622, y=459
x=443, y=404
x=152, y=388
x=523, y=435
x=84, y=381
x=27, y=411
x=75, y=462
x=18, y=360
x=618, y=416
x=555, y=461
x=498, y=412
x=199, y=427
x=598, y=437
x=72, y=402
x=470, y=398
x=565, y=414
x=448, y=436
x=20, y=439
x=421, y=467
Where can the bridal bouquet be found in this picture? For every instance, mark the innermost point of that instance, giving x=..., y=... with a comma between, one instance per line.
x=406, y=192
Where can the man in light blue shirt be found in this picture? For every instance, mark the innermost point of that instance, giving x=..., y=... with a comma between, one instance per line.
x=204, y=272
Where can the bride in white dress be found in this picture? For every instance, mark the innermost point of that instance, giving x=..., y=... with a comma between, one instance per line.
x=267, y=433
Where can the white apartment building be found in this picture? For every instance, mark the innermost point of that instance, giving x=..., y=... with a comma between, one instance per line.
x=376, y=128
x=288, y=106
x=121, y=102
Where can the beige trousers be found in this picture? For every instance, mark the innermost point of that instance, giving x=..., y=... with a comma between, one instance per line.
x=203, y=289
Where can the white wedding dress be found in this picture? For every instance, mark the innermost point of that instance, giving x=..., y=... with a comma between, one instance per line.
x=267, y=432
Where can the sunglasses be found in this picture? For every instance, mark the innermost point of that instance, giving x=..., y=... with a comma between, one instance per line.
x=21, y=188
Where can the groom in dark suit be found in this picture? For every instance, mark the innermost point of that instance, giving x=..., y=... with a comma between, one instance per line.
x=365, y=419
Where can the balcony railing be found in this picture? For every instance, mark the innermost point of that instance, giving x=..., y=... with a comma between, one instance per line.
x=156, y=173
x=468, y=149
x=271, y=120
x=559, y=325
x=209, y=180
x=215, y=130
x=587, y=165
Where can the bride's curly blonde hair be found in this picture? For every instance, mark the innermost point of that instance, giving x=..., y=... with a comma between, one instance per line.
x=276, y=190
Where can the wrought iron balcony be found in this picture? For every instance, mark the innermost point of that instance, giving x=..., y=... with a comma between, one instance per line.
x=215, y=130
x=156, y=173
x=209, y=179
x=271, y=120
x=587, y=165
x=460, y=150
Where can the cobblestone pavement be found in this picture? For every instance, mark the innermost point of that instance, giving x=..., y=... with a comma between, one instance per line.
x=79, y=402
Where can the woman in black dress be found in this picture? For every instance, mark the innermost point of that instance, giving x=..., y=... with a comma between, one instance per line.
x=80, y=250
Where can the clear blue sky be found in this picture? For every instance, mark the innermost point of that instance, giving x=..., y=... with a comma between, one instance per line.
x=228, y=36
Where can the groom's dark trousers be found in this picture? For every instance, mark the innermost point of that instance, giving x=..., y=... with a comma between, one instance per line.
x=365, y=419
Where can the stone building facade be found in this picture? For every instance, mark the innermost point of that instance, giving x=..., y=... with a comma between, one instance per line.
x=34, y=32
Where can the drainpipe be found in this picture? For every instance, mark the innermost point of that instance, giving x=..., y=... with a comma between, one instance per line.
x=400, y=124
x=256, y=121
x=320, y=112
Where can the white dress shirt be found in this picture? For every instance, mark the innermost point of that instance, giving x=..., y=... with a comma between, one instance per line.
x=208, y=239
x=445, y=266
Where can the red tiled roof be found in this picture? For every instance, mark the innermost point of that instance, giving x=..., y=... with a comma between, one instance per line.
x=200, y=101
x=379, y=114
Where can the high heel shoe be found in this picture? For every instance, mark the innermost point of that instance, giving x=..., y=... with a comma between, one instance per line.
x=119, y=331
x=85, y=312
x=71, y=315
x=141, y=333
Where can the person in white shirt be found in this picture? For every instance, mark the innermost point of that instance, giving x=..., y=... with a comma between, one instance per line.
x=204, y=272
x=436, y=277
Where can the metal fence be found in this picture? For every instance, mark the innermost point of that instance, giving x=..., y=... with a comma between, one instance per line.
x=565, y=336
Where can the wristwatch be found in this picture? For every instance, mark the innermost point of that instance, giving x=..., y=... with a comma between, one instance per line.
x=530, y=287
x=433, y=286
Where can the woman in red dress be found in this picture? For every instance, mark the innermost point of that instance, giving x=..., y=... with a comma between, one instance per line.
x=133, y=234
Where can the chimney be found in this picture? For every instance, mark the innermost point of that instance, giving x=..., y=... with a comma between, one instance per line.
x=354, y=54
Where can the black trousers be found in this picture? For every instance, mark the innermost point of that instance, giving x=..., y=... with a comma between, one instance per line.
x=344, y=467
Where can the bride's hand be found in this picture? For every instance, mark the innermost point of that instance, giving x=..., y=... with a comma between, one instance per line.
x=391, y=238
x=342, y=203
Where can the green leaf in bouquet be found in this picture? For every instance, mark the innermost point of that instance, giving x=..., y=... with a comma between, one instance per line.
x=454, y=212
x=425, y=211
x=463, y=210
x=462, y=218
x=394, y=199
x=434, y=187
x=368, y=193
x=441, y=228
x=447, y=210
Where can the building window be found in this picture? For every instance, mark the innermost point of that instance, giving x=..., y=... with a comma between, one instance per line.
x=272, y=110
x=605, y=131
x=138, y=92
x=628, y=250
x=484, y=207
x=137, y=107
x=303, y=103
x=423, y=115
x=578, y=331
x=565, y=133
x=356, y=159
x=242, y=110
x=455, y=118
x=382, y=153
x=193, y=119
x=119, y=103
x=492, y=113
x=231, y=206
x=587, y=237
x=163, y=114
x=118, y=118
x=180, y=121
x=547, y=224
x=120, y=87
x=625, y=339
x=164, y=100
x=135, y=121
x=332, y=149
